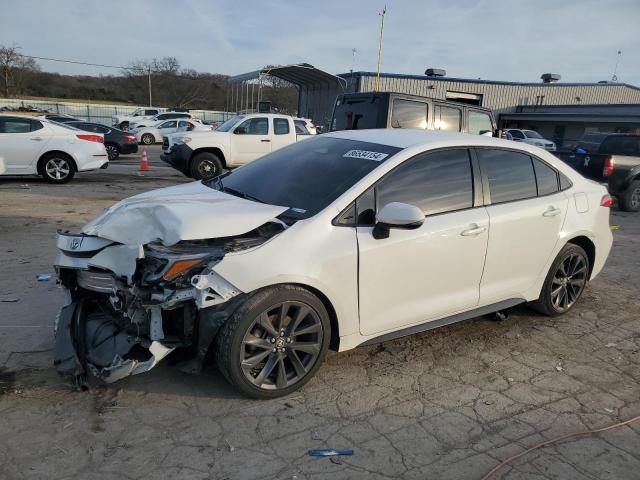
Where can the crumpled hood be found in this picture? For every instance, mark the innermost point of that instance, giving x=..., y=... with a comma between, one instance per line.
x=190, y=211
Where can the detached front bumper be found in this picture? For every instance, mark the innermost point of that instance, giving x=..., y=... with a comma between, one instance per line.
x=179, y=157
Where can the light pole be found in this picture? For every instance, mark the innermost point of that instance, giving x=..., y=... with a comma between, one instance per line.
x=384, y=11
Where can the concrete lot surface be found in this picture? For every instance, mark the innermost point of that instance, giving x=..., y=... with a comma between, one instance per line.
x=446, y=404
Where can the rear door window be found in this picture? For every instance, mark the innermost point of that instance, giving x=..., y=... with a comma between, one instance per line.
x=280, y=126
x=516, y=133
x=408, y=114
x=479, y=123
x=629, y=146
x=510, y=174
x=435, y=182
x=15, y=125
x=447, y=119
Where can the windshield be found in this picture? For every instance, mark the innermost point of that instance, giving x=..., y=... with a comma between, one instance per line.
x=228, y=125
x=356, y=113
x=305, y=176
x=532, y=134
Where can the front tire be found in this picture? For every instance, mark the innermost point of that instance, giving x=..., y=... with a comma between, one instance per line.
x=274, y=343
x=148, y=139
x=205, y=165
x=565, y=282
x=630, y=199
x=56, y=168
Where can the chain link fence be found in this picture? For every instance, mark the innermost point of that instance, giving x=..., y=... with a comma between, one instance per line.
x=93, y=112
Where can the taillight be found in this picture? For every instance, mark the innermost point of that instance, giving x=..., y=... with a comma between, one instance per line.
x=129, y=137
x=607, y=201
x=91, y=138
x=607, y=169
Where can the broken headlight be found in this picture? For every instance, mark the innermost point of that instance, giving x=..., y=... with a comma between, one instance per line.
x=175, y=263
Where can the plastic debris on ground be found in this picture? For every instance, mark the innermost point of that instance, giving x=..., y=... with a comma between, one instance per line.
x=329, y=453
x=44, y=277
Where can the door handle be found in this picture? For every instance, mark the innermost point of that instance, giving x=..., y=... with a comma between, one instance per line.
x=37, y=139
x=474, y=231
x=552, y=212
x=267, y=140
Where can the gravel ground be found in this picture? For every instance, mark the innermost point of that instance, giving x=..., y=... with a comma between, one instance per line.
x=446, y=404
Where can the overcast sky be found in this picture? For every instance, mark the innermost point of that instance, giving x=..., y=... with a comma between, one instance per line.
x=498, y=40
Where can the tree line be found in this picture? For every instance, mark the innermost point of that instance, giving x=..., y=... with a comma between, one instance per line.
x=171, y=85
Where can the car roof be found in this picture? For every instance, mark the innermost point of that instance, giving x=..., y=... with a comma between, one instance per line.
x=407, y=137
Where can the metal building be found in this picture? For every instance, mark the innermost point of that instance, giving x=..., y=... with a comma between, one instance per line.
x=318, y=91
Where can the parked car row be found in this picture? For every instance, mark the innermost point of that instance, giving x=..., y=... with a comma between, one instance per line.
x=55, y=151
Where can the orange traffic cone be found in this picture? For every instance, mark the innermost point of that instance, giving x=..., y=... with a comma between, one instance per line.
x=144, y=161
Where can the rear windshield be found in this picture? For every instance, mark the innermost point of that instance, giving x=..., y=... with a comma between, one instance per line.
x=356, y=113
x=621, y=145
x=305, y=176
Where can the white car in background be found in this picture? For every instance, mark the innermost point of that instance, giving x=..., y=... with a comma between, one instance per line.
x=156, y=119
x=32, y=146
x=305, y=126
x=345, y=239
x=532, y=138
x=122, y=121
x=154, y=134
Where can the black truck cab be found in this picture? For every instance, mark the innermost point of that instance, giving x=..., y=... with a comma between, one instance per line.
x=358, y=111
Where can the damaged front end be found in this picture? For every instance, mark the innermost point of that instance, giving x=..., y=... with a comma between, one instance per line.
x=129, y=306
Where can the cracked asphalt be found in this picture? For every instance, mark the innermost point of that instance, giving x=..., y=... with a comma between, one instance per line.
x=447, y=404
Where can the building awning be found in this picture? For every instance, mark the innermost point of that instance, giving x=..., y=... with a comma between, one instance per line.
x=570, y=117
x=302, y=74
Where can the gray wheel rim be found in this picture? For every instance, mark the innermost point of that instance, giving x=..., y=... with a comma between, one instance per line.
x=568, y=282
x=207, y=169
x=57, y=168
x=635, y=198
x=147, y=140
x=281, y=346
x=112, y=151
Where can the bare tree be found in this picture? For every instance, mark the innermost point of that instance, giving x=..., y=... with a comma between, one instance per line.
x=14, y=69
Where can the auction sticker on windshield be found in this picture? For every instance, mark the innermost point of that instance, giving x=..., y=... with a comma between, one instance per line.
x=366, y=155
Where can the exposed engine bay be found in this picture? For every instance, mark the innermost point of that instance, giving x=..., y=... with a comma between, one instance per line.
x=127, y=306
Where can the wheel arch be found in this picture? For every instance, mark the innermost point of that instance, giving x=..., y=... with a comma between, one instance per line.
x=334, y=341
x=39, y=165
x=215, y=150
x=588, y=246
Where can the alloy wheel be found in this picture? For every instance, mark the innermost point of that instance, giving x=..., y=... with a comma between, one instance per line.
x=207, y=169
x=112, y=151
x=57, y=168
x=281, y=346
x=147, y=139
x=568, y=282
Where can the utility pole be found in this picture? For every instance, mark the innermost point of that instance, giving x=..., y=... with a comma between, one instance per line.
x=150, y=104
x=614, y=78
x=384, y=11
x=353, y=59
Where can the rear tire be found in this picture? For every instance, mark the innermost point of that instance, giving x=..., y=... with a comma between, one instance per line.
x=56, y=168
x=565, y=282
x=205, y=165
x=630, y=198
x=274, y=343
x=148, y=139
x=112, y=151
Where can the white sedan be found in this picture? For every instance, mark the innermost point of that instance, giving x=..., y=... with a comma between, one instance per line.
x=154, y=134
x=34, y=146
x=345, y=239
x=532, y=138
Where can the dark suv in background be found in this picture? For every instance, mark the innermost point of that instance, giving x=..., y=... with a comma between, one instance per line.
x=616, y=164
x=358, y=111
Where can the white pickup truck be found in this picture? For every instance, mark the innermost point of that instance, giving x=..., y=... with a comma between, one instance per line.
x=239, y=140
x=122, y=121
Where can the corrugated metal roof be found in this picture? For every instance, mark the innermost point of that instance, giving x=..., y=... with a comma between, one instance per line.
x=479, y=81
x=299, y=74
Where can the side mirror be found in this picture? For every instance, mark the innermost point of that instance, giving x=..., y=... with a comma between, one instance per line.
x=240, y=131
x=397, y=215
